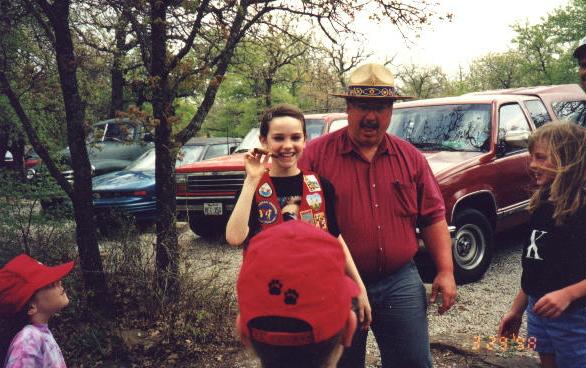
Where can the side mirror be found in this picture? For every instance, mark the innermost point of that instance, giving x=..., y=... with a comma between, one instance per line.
x=232, y=149
x=517, y=138
x=148, y=137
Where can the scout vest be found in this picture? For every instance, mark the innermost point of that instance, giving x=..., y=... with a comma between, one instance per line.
x=312, y=208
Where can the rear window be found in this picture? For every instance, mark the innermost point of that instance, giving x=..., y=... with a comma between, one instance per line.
x=538, y=112
x=314, y=128
x=573, y=111
x=338, y=124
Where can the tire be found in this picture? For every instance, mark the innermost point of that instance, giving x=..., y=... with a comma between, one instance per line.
x=207, y=227
x=473, y=246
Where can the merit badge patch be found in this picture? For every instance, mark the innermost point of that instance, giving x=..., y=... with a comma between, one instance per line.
x=306, y=216
x=314, y=201
x=265, y=190
x=320, y=220
x=267, y=212
x=312, y=183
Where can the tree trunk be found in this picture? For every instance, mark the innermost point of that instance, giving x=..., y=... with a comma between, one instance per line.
x=117, y=97
x=4, y=141
x=89, y=255
x=268, y=91
x=17, y=150
x=167, y=254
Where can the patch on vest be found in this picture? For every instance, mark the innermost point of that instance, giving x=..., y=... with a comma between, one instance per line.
x=320, y=220
x=312, y=183
x=265, y=190
x=267, y=212
x=306, y=216
x=314, y=201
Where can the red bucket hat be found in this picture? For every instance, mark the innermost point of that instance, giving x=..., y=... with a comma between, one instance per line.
x=295, y=270
x=22, y=277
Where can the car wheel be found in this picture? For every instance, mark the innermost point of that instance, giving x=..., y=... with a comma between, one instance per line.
x=207, y=227
x=472, y=250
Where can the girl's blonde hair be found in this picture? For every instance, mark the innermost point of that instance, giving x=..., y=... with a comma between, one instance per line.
x=566, y=147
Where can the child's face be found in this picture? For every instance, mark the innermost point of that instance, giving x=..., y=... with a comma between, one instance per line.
x=50, y=299
x=542, y=169
x=286, y=141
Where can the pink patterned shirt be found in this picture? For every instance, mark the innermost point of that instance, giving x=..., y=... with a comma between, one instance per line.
x=34, y=347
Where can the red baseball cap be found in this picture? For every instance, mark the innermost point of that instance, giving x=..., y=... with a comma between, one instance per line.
x=295, y=270
x=22, y=277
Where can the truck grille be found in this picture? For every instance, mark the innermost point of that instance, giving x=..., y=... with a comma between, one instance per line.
x=215, y=182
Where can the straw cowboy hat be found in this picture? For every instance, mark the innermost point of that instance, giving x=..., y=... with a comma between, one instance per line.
x=372, y=81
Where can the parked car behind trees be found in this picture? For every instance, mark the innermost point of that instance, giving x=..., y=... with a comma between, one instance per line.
x=476, y=147
x=132, y=191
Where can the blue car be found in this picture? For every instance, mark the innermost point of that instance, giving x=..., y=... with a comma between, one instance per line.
x=132, y=190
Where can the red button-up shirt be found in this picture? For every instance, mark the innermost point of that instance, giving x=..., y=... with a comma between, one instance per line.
x=379, y=203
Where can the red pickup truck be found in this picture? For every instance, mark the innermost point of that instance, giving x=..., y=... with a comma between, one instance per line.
x=206, y=190
x=476, y=147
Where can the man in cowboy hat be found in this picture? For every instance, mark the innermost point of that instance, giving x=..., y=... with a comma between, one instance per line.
x=580, y=55
x=384, y=190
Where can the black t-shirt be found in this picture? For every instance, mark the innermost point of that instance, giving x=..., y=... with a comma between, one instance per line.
x=555, y=256
x=289, y=189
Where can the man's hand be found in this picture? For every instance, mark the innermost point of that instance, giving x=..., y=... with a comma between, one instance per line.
x=437, y=240
x=445, y=285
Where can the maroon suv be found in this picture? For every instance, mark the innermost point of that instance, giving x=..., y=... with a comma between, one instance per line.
x=476, y=147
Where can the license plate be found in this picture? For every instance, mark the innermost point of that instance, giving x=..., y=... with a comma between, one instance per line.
x=212, y=209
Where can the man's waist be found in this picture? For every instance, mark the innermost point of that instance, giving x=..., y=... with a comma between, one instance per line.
x=377, y=278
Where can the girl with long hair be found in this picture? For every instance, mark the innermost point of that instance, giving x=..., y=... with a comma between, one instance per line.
x=553, y=281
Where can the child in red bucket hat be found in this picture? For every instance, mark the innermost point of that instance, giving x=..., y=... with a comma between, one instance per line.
x=31, y=293
x=295, y=298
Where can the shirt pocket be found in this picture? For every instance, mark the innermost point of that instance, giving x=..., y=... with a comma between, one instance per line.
x=404, y=198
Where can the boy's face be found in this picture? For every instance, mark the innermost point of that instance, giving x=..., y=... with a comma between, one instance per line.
x=50, y=299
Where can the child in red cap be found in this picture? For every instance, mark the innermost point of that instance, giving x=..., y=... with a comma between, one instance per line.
x=32, y=293
x=295, y=298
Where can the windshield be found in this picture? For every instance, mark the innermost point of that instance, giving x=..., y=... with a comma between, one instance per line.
x=115, y=131
x=189, y=154
x=146, y=162
x=314, y=128
x=249, y=141
x=574, y=111
x=445, y=127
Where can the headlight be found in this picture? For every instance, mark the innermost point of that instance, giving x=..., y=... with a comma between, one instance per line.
x=180, y=183
x=180, y=179
x=30, y=174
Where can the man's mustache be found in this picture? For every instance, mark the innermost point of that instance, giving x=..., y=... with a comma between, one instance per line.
x=369, y=124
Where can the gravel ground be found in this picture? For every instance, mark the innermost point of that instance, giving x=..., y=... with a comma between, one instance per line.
x=477, y=311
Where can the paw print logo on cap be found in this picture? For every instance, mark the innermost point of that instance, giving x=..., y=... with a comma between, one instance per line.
x=291, y=296
x=275, y=287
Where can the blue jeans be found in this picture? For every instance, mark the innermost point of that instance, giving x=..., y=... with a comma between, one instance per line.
x=564, y=336
x=399, y=323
